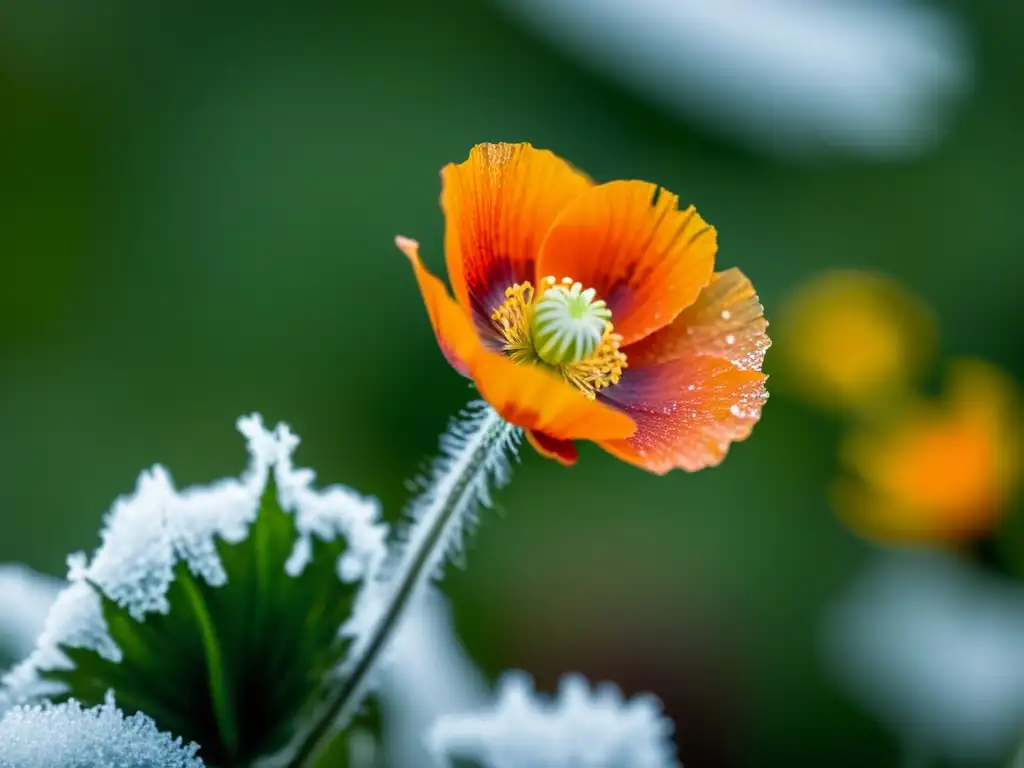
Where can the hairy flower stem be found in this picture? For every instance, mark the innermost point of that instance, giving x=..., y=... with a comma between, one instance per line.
x=474, y=456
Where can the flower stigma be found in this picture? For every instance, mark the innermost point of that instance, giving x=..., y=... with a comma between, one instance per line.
x=565, y=328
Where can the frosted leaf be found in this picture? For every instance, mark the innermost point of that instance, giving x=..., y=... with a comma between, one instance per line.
x=75, y=620
x=324, y=514
x=158, y=532
x=68, y=736
x=579, y=728
x=147, y=533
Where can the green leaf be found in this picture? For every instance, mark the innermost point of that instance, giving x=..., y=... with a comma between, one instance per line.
x=230, y=667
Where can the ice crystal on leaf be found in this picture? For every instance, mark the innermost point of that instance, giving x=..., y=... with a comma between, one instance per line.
x=216, y=609
x=68, y=736
x=581, y=728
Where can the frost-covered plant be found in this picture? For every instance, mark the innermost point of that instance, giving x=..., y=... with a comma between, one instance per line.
x=579, y=727
x=219, y=611
x=67, y=736
x=252, y=617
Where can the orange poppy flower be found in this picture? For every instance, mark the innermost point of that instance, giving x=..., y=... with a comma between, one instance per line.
x=943, y=471
x=590, y=311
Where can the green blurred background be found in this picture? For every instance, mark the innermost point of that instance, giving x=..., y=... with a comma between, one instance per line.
x=197, y=206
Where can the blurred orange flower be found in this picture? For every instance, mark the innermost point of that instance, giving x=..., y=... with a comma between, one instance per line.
x=854, y=339
x=944, y=471
x=542, y=263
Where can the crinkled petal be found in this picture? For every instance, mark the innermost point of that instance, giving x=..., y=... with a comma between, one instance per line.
x=562, y=451
x=498, y=206
x=629, y=241
x=726, y=321
x=524, y=395
x=687, y=412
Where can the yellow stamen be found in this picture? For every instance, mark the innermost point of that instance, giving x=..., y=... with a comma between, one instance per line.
x=601, y=369
x=514, y=321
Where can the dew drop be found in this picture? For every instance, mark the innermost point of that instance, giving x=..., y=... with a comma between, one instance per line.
x=691, y=388
x=730, y=339
x=726, y=314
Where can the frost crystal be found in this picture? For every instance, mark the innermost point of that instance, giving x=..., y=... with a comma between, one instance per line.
x=145, y=535
x=579, y=728
x=67, y=736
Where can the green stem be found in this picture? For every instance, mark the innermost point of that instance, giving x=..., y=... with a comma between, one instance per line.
x=455, y=490
x=219, y=692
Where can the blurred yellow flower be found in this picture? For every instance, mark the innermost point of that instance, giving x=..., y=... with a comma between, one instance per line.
x=852, y=339
x=941, y=472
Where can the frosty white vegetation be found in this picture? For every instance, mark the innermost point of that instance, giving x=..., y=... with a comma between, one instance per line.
x=793, y=76
x=68, y=736
x=145, y=535
x=428, y=674
x=935, y=648
x=579, y=727
x=222, y=580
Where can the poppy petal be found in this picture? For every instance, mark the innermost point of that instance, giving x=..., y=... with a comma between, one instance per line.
x=455, y=335
x=498, y=205
x=562, y=451
x=726, y=321
x=687, y=412
x=534, y=399
x=630, y=242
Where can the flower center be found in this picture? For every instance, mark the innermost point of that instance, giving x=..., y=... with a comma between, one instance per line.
x=567, y=328
x=568, y=323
